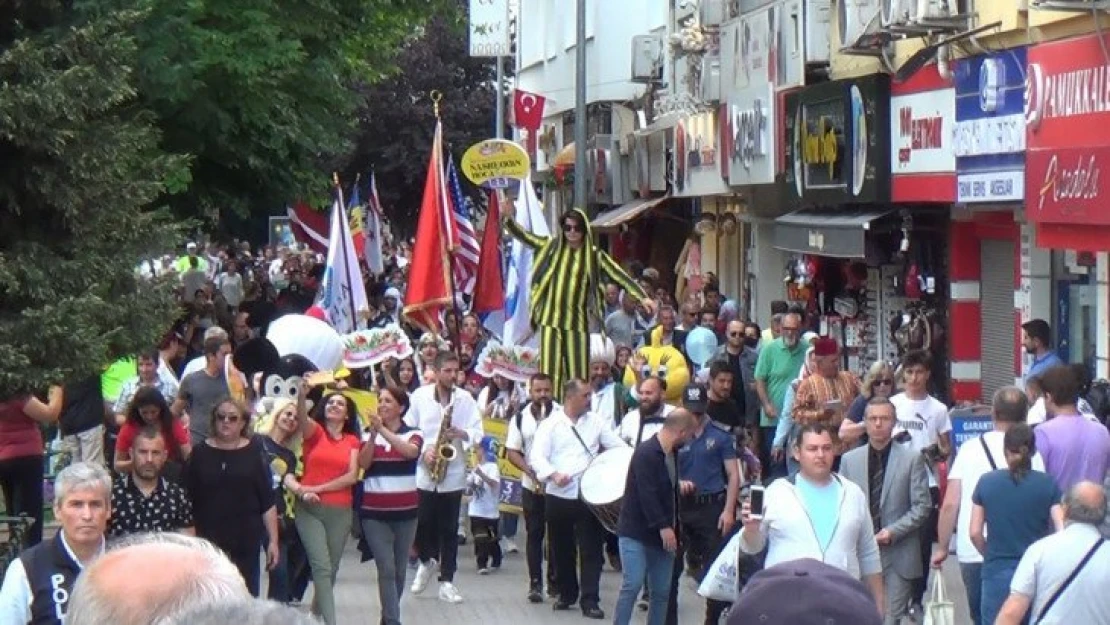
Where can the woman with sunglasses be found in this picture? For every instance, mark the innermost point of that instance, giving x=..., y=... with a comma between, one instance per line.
x=569, y=271
x=879, y=382
x=230, y=488
x=325, y=498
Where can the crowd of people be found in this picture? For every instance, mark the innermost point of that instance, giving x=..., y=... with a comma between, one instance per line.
x=183, y=462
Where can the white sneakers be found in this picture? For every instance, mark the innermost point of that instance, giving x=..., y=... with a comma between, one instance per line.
x=448, y=593
x=509, y=545
x=447, y=590
x=424, y=574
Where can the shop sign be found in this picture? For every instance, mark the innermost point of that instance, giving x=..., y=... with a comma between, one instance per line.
x=922, y=120
x=751, y=125
x=837, y=144
x=493, y=163
x=696, y=169
x=1067, y=116
x=753, y=51
x=989, y=140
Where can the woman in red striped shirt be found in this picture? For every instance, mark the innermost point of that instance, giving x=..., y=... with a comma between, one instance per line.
x=387, y=511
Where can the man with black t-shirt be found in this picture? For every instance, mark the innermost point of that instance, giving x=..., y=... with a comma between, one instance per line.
x=722, y=408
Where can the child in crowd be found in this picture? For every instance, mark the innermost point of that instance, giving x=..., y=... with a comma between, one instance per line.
x=484, y=485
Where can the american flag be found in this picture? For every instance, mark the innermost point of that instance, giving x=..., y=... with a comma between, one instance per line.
x=464, y=259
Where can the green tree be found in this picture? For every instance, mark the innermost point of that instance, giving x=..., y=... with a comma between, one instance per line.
x=260, y=93
x=397, y=120
x=82, y=166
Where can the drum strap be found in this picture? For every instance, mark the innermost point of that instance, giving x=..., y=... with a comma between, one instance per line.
x=582, y=442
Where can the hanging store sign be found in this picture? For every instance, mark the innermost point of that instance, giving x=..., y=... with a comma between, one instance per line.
x=922, y=120
x=1067, y=116
x=837, y=143
x=696, y=169
x=490, y=30
x=751, y=136
x=989, y=138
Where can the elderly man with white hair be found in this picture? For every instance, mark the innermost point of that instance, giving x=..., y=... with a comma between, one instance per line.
x=38, y=583
x=129, y=586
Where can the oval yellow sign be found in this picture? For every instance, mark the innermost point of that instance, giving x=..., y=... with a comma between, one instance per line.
x=493, y=163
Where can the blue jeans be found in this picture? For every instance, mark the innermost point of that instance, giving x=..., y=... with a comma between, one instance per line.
x=972, y=574
x=509, y=523
x=996, y=578
x=640, y=561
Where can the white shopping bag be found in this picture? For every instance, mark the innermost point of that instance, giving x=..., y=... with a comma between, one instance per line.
x=938, y=609
x=722, y=580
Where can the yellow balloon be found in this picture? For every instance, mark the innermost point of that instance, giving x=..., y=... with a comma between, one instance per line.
x=667, y=362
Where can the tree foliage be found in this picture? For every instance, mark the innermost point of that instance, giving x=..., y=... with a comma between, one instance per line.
x=260, y=93
x=82, y=166
x=397, y=120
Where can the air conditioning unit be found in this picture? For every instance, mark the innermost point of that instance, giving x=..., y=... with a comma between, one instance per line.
x=710, y=88
x=898, y=12
x=859, y=24
x=713, y=12
x=606, y=171
x=940, y=16
x=647, y=59
x=817, y=20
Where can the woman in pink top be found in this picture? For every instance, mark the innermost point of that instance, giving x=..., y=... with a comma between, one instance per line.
x=21, y=455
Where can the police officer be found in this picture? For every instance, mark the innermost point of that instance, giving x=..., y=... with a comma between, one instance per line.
x=709, y=485
x=38, y=583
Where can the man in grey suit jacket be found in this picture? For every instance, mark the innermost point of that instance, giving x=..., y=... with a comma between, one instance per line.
x=901, y=487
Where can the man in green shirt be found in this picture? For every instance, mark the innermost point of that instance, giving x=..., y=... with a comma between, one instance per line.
x=778, y=364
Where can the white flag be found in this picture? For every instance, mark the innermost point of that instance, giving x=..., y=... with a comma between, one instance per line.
x=342, y=292
x=373, y=228
x=518, y=284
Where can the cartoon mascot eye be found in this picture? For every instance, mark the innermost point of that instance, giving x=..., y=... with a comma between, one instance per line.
x=274, y=387
x=290, y=386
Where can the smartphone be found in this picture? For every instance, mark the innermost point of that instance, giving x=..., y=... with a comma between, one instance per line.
x=755, y=502
x=833, y=404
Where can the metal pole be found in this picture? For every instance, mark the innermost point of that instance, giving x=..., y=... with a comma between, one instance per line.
x=580, y=107
x=499, y=130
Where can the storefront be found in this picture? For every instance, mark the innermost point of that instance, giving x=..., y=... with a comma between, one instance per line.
x=1067, y=198
x=986, y=254
x=699, y=160
x=863, y=268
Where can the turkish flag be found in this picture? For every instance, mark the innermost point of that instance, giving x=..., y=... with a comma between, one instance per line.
x=429, y=284
x=527, y=109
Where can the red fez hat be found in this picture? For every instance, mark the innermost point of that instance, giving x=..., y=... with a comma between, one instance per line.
x=825, y=346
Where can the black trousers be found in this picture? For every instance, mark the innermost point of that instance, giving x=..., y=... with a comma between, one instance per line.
x=699, y=545
x=247, y=561
x=21, y=481
x=437, y=530
x=535, y=549
x=487, y=541
x=576, y=538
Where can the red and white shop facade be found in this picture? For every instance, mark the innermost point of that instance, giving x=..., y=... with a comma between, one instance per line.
x=1067, y=193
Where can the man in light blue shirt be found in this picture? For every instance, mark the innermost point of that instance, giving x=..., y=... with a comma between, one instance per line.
x=1036, y=338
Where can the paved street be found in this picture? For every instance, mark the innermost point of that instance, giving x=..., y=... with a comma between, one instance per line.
x=500, y=598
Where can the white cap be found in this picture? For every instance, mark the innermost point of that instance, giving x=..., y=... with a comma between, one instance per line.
x=191, y=246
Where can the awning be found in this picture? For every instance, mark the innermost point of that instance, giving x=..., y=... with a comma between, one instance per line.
x=623, y=214
x=838, y=234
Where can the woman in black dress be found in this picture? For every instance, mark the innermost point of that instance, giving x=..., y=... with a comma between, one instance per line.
x=230, y=486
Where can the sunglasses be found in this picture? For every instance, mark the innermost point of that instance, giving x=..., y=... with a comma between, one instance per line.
x=883, y=382
x=572, y=227
x=230, y=417
x=735, y=334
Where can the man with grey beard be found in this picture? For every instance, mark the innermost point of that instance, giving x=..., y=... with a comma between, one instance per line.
x=778, y=364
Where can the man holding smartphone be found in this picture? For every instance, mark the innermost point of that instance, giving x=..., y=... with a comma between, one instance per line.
x=709, y=486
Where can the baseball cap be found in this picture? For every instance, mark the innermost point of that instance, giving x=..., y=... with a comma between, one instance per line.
x=831, y=597
x=190, y=246
x=695, y=398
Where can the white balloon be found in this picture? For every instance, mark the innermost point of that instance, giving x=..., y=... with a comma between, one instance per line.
x=309, y=337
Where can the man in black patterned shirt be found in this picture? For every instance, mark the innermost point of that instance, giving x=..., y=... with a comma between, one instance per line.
x=144, y=501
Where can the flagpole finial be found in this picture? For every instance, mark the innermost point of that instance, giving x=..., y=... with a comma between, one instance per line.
x=437, y=97
x=335, y=178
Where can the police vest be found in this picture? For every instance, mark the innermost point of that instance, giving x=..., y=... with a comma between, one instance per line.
x=51, y=573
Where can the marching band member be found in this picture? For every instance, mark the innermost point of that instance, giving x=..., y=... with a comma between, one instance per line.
x=644, y=422
x=565, y=444
x=441, y=494
x=607, y=400
x=518, y=443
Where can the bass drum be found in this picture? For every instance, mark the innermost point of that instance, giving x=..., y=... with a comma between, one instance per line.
x=602, y=485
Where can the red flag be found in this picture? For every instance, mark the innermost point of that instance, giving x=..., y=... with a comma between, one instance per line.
x=527, y=109
x=309, y=227
x=489, y=291
x=429, y=287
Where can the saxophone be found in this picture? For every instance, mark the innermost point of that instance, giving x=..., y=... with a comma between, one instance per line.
x=445, y=448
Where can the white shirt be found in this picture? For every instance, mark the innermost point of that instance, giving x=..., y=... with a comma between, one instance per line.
x=970, y=465
x=924, y=419
x=630, y=426
x=556, y=449
x=232, y=288
x=15, y=594
x=1038, y=414
x=426, y=414
x=1049, y=561
x=484, y=499
x=520, y=438
x=603, y=404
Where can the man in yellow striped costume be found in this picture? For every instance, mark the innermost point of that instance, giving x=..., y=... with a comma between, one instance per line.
x=568, y=281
